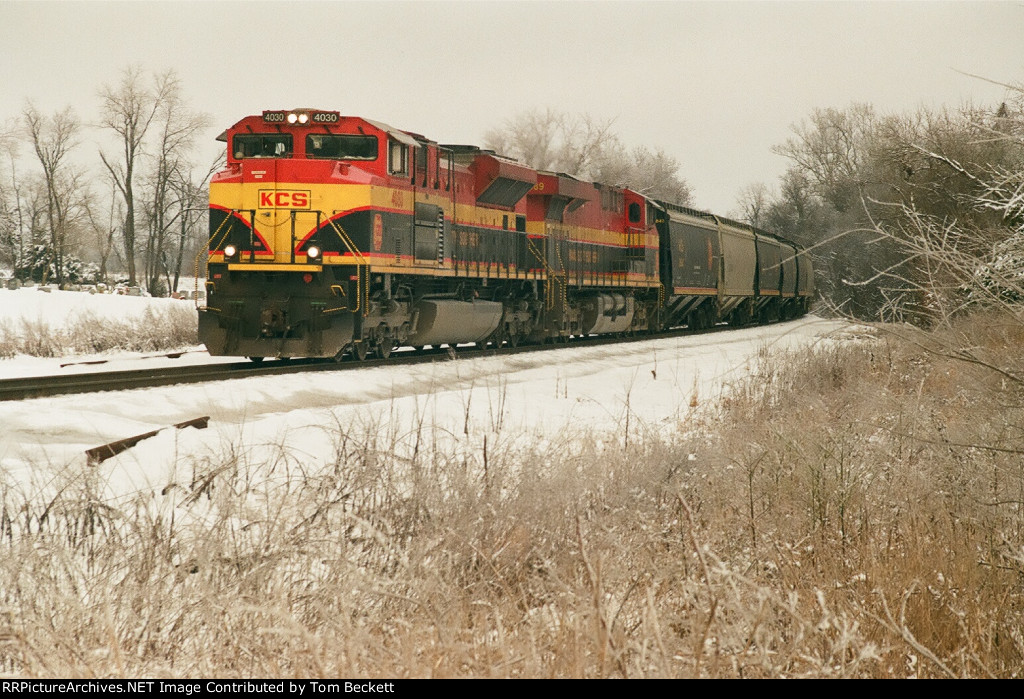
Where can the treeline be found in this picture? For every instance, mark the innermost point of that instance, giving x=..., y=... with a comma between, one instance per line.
x=909, y=217
x=130, y=211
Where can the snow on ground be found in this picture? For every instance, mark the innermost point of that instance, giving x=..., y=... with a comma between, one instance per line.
x=31, y=308
x=57, y=308
x=591, y=392
x=23, y=366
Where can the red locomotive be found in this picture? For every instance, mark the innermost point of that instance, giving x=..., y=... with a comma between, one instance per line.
x=332, y=234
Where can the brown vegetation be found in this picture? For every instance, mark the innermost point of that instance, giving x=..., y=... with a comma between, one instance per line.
x=854, y=511
x=86, y=333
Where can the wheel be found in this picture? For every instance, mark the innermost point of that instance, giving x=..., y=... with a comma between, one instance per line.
x=496, y=339
x=385, y=341
x=256, y=360
x=359, y=350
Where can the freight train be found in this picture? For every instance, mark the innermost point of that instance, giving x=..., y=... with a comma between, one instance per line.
x=336, y=236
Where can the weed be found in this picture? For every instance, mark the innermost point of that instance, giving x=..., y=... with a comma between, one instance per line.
x=849, y=511
x=168, y=328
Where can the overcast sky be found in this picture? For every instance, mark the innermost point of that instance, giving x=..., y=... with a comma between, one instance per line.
x=716, y=84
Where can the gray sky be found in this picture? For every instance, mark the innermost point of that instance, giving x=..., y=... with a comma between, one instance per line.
x=715, y=84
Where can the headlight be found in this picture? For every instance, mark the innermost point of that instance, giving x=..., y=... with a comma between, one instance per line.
x=303, y=118
x=312, y=252
x=293, y=117
x=230, y=250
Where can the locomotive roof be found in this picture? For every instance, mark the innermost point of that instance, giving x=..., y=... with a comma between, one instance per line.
x=405, y=137
x=397, y=134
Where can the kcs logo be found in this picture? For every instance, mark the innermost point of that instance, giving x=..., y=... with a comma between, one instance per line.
x=284, y=199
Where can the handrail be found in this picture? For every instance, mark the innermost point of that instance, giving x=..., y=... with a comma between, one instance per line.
x=195, y=276
x=362, y=286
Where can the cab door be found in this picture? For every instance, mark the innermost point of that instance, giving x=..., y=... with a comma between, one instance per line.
x=428, y=215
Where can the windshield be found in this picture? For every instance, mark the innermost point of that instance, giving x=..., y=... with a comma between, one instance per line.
x=277, y=145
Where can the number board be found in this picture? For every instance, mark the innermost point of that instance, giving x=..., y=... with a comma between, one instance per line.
x=315, y=117
x=324, y=117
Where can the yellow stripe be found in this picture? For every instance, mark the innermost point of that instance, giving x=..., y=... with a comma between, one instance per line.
x=274, y=224
x=270, y=267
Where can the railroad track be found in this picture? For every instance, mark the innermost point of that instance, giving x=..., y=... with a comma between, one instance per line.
x=45, y=386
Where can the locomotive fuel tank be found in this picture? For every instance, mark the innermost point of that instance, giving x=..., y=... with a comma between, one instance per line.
x=607, y=313
x=448, y=321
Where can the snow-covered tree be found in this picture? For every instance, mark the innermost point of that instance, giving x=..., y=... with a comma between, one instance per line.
x=901, y=209
x=152, y=173
x=129, y=109
x=584, y=147
x=52, y=139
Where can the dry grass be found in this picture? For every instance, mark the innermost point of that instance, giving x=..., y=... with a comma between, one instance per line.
x=828, y=524
x=86, y=333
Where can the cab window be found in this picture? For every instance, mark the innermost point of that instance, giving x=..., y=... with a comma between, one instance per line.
x=398, y=158
x=341, y=146
x=278, y=145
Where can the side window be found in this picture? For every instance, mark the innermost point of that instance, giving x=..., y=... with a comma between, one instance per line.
x=398, y=158
x=341, y=146
x=634, y=212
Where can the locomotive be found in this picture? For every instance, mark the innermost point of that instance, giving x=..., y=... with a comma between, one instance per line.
x=335, y=236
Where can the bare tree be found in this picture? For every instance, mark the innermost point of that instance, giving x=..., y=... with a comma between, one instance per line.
x=532, y=137
x=855, y=173
x=11, y=221
x=753, y=203
x=654, y=174
x=104, y=225
x=587, y=148
x=171, y=188
x=585, y=141
x=129, y=110
x=192, y=196
x=24, y=236
x=52, y=139
x=831, y=150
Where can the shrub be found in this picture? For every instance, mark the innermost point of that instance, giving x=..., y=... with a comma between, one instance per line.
x=850, y=511
x=166, y=328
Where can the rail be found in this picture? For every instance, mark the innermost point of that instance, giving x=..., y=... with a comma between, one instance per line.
x=94, y=382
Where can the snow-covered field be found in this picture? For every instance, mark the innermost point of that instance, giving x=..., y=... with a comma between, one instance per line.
x=58, y=308
x=594, y=393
